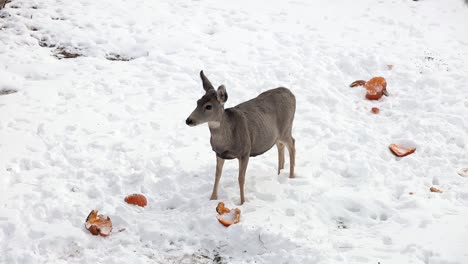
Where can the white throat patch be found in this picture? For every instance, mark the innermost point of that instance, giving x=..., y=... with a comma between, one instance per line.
x=214, y=124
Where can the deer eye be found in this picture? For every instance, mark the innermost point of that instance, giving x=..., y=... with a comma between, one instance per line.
x=208, y=107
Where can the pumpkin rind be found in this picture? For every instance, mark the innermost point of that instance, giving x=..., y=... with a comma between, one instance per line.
x=401, y=151
x=136, y=199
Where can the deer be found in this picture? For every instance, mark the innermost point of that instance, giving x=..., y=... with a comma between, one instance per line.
x=246, y=130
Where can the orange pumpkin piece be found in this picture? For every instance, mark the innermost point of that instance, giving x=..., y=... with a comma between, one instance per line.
x=434, y=189
x=375, y=110
x=401, y=151
x=136, y=199
x=221, y=209
x=235, y=218
x=375, y=87
x=98, y=224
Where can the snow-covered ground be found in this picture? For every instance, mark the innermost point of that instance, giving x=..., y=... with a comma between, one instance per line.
x=82, y=133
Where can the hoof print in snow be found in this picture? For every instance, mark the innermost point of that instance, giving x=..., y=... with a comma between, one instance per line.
x=4, y=14
x=204, y=257
x=118, y=57
x=64, y=53
x=7, y=91
x=33, y=28
x=340, y=223
x=46, y=43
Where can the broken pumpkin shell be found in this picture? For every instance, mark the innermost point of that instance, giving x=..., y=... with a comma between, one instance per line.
x=357, y=83
x=434, y=189
x=235, y=218
x=98, y=224
x=401, y=151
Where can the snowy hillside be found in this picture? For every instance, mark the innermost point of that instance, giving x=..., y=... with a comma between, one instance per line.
x=104, y=88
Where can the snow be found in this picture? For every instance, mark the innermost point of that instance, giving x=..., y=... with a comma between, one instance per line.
x=82, y=133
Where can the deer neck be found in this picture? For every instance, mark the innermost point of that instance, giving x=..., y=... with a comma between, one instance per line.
x=220, y=130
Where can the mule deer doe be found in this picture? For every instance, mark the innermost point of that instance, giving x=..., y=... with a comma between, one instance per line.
x=246, y=130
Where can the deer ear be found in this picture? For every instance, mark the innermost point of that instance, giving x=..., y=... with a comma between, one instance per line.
x=206, y=83
x=222, y=94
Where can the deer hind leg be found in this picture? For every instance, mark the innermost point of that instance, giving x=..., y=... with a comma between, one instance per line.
x=280, y=156
x=243, y=162
x=291, y=144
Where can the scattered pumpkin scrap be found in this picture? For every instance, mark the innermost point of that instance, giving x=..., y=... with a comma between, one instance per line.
x=375, y=110
x=223, y=211
x=136, y=199
x=375, y=87
x=401, y=151
x=98, y=224
x=463, y=172
x=434, y=189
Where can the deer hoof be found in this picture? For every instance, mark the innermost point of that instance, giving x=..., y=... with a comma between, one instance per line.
x=214, y=197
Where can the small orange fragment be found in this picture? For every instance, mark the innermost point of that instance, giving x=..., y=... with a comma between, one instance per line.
x=98, y=224
x=463, y=172
x=221, y=209
x=357, y=83
x=434, y=189
x=136, y=199
x=375, y=110
x=401, y=151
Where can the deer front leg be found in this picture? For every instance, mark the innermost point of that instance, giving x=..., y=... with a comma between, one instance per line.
x=219, y=169
x=243, y=162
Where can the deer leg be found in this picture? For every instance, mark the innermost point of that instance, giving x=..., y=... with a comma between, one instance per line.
x=219, y=169
x=291, y=144
x=280, y=156
x=243, y=162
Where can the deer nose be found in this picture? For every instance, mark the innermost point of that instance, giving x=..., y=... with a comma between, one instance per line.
x=189, y=121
